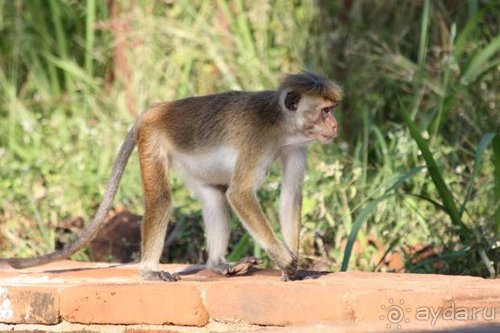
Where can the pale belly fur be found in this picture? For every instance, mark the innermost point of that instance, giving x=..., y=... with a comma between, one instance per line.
x=214, y=167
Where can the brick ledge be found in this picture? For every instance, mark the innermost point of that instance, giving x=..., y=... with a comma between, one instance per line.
x=107, y=294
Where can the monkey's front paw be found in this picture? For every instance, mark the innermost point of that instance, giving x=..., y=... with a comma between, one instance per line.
x=289, y=272
x=160, y=276
x=287, y=277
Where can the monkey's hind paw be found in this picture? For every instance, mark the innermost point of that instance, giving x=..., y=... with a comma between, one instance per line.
x=160, y=276
x=239, y=268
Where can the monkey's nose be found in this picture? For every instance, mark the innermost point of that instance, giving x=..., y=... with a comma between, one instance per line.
x=334, y=125
x=334, y=129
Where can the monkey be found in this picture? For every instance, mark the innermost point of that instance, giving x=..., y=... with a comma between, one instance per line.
x=222, y=145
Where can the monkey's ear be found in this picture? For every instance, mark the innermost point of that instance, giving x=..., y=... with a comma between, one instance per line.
x=292, y=100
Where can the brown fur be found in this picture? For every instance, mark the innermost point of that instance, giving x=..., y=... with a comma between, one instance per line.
x=198, y=123
x=308, y=83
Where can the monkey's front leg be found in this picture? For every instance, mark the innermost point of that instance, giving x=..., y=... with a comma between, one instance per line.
x=293, y=164
x=216, y=221
x=244, y=202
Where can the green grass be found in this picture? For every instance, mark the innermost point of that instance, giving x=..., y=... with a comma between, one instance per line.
x=416, y=163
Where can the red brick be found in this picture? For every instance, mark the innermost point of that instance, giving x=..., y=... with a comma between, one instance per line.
x=149, y=303
x=274, y=303
x=29, y=305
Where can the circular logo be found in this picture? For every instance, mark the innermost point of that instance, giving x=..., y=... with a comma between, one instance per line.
x=394, y=313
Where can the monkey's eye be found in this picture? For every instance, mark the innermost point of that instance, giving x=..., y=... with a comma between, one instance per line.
x=326, y=111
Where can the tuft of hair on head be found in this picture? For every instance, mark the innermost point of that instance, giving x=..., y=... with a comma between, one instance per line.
x=312, y=84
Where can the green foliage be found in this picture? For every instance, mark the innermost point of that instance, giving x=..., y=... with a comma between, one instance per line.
x=367, y=210
x=67, y=98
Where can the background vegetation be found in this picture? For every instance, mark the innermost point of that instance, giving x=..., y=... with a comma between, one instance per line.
x=411, y=184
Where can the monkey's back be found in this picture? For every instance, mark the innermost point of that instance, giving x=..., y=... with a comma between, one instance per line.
x=199, y=123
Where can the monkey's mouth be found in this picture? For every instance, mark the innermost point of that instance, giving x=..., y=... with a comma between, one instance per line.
x=327, y=137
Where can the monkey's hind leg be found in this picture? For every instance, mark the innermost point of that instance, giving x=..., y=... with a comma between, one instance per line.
x=216, y=220
x=157, y=208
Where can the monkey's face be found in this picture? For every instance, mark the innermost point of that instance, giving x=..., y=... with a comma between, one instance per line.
x=314, y=118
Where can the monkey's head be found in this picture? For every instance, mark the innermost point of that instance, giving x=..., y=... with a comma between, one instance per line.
x=308, y=100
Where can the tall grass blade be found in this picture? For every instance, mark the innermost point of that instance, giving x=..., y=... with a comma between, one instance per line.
x=36, y=10
x=73, y=71
x=437, y=178
x=466, y=31
x=432, y=201
x=379, y=137
x=245, y=30
x=367, y=210
x=496, y=150
x=401, y=179
x=358, y=222
x=89, y=36
x=436, y=123
x=485, y=141
x=240, y=248
x=480, y=63
x=62, y=46
x=424, y=30
x=364, y=150
x=419, y=85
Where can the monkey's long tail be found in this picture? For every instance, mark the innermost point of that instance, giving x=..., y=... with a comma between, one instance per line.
x=97, y=223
